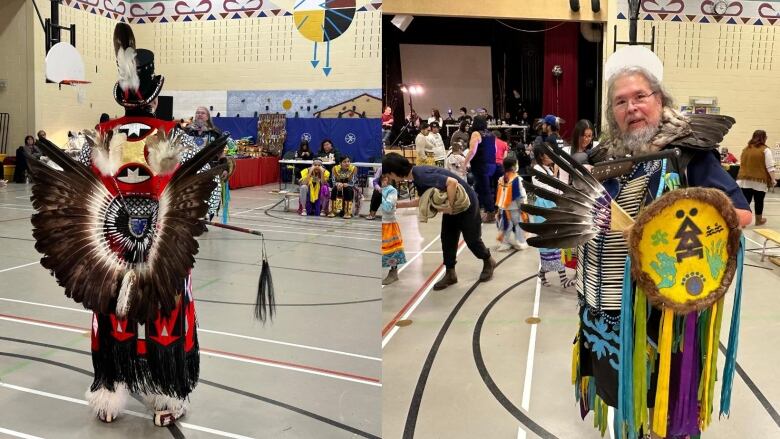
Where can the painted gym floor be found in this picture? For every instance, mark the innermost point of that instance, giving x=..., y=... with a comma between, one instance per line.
x=314, y=372
x=467, y=364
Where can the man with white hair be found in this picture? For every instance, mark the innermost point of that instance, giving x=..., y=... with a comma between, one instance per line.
x=641, y=122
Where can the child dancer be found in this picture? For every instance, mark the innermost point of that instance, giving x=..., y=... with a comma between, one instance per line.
x=509, y=195
x=456, y=160
x=550, y=257
x=392, y=242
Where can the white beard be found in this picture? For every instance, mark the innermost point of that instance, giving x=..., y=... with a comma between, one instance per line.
x=635, y=142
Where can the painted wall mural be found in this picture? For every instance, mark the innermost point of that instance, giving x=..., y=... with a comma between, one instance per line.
x=319, y=21
x=322, y=21
x=758, y=13
x=345, y=103
x=166, y=11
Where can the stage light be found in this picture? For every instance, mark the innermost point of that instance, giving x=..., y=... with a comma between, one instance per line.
x=404, y=89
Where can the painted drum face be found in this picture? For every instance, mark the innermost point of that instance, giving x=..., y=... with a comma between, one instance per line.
x=684, y=248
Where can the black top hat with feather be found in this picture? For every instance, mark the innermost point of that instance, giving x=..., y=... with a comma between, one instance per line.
x=137, y=85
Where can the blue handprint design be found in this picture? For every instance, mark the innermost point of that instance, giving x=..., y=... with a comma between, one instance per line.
x=665, y=267
x=714, y=254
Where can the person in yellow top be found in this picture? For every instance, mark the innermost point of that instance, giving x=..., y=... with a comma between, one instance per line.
x=344, y=178
x=314, y=189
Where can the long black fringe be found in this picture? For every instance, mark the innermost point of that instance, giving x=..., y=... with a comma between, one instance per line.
x=265, y=305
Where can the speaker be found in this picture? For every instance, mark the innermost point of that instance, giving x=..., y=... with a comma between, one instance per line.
x=595, y=5
x=574, y=5
x=402, y=21
x=164, y=107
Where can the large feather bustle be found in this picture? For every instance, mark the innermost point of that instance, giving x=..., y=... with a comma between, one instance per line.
x=68, y=230
x=69, y=226
x=108, y=158
x=128, y=73
x=164, y=152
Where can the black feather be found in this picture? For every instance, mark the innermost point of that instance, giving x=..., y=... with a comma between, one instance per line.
x=555, y=214
x=563, y=241
x=123, y=37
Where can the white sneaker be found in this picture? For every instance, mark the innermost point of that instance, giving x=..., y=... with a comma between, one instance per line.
x=520, y=245
x=303, y=213
x=503, y=247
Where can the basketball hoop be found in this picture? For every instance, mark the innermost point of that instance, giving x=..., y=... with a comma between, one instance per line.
x=64, y=65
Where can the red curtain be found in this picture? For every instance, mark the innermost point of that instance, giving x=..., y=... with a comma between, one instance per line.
x=560, y=48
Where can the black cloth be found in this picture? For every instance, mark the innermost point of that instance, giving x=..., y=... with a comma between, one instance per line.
x=426, y=177
x=759, y=195
x=469, y=224
x=21, y=165
x=376, y=200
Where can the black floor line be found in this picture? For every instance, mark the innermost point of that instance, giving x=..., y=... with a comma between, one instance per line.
x=414, y=406
x=331, y=224
x=289, y=268
x=756, y=391
x=336, y=225
x=483, y=372
x=293, y=304
x=172, y=428
x=265, y=399
x=290, y=240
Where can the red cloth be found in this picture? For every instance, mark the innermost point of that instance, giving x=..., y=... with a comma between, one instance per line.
x=255, y=172
x=560, y=48
x=501, y=149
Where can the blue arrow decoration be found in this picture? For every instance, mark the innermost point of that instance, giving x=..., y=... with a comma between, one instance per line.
x=327, y=67
x=314, y=62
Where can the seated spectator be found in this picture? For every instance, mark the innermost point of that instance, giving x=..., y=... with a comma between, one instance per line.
x=29, y=148
x=376, y=196
x=314, y=189
x=344, y=177
x=328, y=154
x=727, y=157
x=303, y=153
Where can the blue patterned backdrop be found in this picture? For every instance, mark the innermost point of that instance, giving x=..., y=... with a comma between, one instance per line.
x=305, y=102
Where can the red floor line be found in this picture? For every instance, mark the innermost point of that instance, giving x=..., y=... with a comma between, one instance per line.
x=248, y=357
x=284, y=363
x=409, y=302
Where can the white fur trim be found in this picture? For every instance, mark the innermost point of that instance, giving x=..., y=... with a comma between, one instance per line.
x=128, y=74
x=178, y=407
x=108, y=162
x=106, y=403
x=164, y=155
x=123, y=301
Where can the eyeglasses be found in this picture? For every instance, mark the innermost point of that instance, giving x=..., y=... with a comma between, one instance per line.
x=638, y=100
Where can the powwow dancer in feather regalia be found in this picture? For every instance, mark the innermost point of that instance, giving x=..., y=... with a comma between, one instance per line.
x=117, y=230
x=657, y=224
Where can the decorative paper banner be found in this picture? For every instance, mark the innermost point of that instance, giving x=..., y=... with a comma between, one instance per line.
x=759, y=13
x=684, y=247
x=167, y=11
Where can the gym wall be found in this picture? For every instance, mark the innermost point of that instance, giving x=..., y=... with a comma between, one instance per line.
x=16, y=66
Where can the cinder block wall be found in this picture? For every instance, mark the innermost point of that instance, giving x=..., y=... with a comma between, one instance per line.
x=16, y=67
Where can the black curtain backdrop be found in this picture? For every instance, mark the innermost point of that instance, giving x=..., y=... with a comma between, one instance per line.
x=517, y=61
